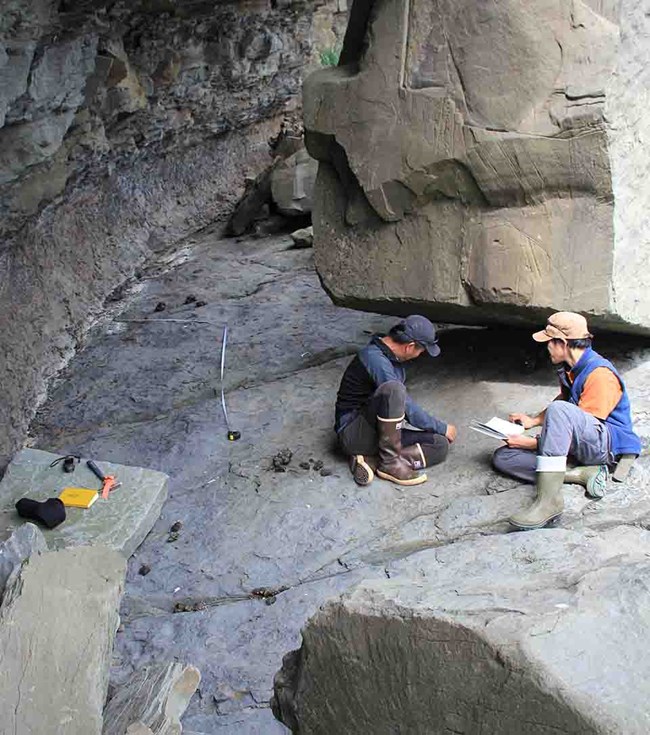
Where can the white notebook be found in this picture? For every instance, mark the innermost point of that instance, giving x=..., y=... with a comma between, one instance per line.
x=497, y=428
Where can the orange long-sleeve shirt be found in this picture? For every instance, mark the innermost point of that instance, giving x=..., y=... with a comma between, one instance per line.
x=600, y=393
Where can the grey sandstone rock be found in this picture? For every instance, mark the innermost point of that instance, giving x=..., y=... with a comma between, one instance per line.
x=152, y=701
x=303, y=238
x=484, y=160
x=15, y=62
x=121, y=522
x=292, y=183
x=16, y=550
x=532, y=632
x=57, y=625
x=24, y=145
x=57, y=79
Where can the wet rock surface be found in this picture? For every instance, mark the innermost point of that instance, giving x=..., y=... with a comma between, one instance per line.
x=259, y=551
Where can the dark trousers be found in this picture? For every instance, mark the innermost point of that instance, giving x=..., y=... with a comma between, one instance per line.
x=361, y=436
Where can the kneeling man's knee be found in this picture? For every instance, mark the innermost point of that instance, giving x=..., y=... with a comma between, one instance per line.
x=391, y=388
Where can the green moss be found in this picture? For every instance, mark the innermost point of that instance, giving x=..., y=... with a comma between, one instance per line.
x=330, y=56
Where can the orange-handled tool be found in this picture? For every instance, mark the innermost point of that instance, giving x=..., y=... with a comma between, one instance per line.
x=109, y=482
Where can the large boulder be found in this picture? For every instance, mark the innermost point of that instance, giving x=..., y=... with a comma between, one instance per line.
x=523, y=633
x=486, y=160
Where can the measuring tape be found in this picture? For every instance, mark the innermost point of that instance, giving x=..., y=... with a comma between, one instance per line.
x=232, y=435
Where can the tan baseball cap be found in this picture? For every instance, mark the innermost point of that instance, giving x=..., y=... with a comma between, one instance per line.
x=564, y=325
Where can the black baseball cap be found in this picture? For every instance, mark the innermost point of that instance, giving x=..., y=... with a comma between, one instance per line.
x=419, y=329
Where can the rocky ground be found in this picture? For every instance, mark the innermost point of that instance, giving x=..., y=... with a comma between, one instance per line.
x=243, y=555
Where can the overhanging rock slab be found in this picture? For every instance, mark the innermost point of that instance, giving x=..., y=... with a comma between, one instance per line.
x=484, y=162
x=57, y=625
x=119, y=523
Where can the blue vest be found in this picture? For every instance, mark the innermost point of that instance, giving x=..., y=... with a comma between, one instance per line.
x=619, y=422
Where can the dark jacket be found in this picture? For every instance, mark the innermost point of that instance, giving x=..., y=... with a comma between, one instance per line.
x=619, y=422
x=373, y=365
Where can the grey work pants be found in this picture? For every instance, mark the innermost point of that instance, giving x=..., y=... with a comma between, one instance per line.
x=567, y=431
x=388, y=401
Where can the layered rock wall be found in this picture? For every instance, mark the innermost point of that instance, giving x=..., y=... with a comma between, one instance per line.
x=124, y=126
x=483, y=161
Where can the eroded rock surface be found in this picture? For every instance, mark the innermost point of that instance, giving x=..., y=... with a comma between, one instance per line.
x=257, y=551
x=483, y=161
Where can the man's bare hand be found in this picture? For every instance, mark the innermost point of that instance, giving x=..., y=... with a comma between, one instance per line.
x=521, y=418
x=519, y=441
x=451, y=433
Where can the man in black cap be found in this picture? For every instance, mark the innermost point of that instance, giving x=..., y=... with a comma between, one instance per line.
x=372, y=405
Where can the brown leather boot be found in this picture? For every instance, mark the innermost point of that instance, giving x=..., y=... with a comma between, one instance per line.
x=392, y=465
x=415, y=456
x=363, y=468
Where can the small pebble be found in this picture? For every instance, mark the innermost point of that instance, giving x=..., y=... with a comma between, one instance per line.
x=325, y=472
x=318, y=465
x=304, y=465
x=160, y=306
x=199, y=304
x=172, y=537
x=190, y=299
x=176, y=526
x=144, y=570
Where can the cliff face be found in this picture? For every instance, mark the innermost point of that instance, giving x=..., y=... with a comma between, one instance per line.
x=124, y=126
x=483, y=160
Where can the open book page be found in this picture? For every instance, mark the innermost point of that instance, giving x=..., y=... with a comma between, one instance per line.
x=507, y=428
x=497, y=428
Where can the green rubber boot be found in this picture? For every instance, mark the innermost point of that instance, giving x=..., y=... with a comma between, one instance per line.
x=593, y=478
x=548, y=504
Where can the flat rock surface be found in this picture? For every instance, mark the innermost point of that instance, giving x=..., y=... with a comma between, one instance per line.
x=242, y=555
x=54, y=676
x=121, y=522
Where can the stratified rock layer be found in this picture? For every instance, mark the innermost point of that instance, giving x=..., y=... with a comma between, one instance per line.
x=484, y=161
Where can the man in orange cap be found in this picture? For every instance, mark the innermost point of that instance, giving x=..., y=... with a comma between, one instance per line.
x=590, y=421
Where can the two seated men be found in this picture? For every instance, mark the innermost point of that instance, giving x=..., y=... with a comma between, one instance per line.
x=589, y=422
